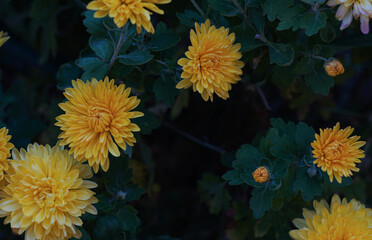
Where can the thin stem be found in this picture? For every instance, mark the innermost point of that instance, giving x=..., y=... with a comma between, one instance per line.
x=118, y=47
x=194, y=139
x=320, y=58
x=81, y=4
x=201, y=12
x=242, y=12
x=263, y=97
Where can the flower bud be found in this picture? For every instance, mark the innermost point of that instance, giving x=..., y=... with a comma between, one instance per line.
x=261, y=175
x=334, y=67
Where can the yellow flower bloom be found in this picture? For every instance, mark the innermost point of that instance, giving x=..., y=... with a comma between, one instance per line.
x=340, y=221
x=261, y=175
x=46, y=193
x=334, y=67
x=97, y=113
x=3, y=38
x=5, y=147
x=353, y=8
x=212, y=62
x=137, y=11
x=336, y=153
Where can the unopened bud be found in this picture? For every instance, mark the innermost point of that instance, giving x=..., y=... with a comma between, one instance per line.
x=261, y=175
x=334, y=67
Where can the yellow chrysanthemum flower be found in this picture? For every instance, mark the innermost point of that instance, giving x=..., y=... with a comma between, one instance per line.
x=336, y=153
x=46, y=193
x=3, y=38
x=138, y=12
x=353, y=8
x=212, y=62
x=96, y=114
x=340, y=221
x=5, y=147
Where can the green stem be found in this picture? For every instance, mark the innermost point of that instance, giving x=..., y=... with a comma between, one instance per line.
x=118, y=47
x=201, y=12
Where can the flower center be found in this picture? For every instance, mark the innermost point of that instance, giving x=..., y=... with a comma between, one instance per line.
x=209, y=60
x=99, y=118
x=334, y=150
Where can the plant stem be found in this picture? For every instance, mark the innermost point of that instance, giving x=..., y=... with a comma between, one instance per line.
x=118, y=47
x=263, y=97
x=244, y=14
x=201, y=12
x=194, y=139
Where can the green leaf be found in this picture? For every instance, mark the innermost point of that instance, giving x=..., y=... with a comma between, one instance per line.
x=162, y=39
x=225, y=7
x=66, y=73
x=258, y=19
x=165, y=91
x=148, y=122
x=309, y=186
x=120, y=70
x=272, y=8
x=189, y=18
x=312, y=22
x=102, y=47
x=292, y=18
x=94, y=68
x=328, y=33
x=281, y=54
x=214, y=193
x=95, y=26
x=133, y=192
x=246, y=37
x=304, y=136
x=128, y=219
x=137, y=57
x=318, y=79
x=260, y=201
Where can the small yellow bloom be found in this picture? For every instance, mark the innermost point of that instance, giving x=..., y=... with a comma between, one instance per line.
x=261, y=175
x=5, y=147
x=96, y=114
x=3, y=38
x=334, y=67
x=340, y=221
x=46, y=193
x=350, y=9
x=137, y=11
x=212, y=62
x=336, y=152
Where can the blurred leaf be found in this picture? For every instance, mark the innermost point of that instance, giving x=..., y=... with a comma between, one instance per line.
x=165, y=91
x=327, y=33
x=225, y=7
x=182, y=102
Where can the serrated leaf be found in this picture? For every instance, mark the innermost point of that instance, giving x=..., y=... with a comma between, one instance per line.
x=137, y=57
x=189, y=18
x=281, y=54
x=162, y=39
x=272, y=8
x=128, y=218
x=318, y=79
x=292, y=18
x=225, y=7
x=94, y=25
x=312, y=22
x=304, y=136
x=260, y=201
x=102, y=47
x=309, y=186
x=66, y=73
x=165, y=91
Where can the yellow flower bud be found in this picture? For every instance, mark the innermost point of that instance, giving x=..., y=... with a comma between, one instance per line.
x=334, y=67
x=261, y=175
x=3, y=37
